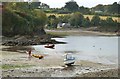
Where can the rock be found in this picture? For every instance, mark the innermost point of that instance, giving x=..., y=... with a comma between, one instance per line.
x=28, y=40
x=36, y=70
x=87, y=69
x=8, y=75
x=101, y=70
x=12, y=70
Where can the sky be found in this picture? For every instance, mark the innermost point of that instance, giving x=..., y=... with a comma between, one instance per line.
x=85, y=3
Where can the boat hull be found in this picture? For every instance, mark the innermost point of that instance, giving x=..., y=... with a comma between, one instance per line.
x=37, y=56
x=49, y=46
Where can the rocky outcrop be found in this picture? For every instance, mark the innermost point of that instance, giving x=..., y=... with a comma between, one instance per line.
x=28, y=40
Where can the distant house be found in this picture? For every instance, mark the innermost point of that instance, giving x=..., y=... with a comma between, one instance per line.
x=63, y=25
x=99, y=11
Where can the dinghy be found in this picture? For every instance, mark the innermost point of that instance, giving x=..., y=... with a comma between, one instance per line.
x=37, y=56
x=49, y=46
x=69, y=59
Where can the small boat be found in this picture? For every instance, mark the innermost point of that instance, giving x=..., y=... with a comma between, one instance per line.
x=37, y=56
x=50, y=46
x=69, y=59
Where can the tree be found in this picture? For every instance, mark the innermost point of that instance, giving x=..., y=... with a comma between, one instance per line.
x=114, y=8
x=35, y=5
x=103, y=23
x=71, y=6
x=22, y=21
x=39, y=19
x=14, y=24
x=111, y=9
x=110, y=21
x=76, y=19
x=52, y=21
x=99, y=7
x=95, y=20
x=84, y=10
x=64, y=19
x=17, y=6
x=86, y=22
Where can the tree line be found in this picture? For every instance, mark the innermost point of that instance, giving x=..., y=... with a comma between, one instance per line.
x=77, y=20
x=100, y=9
x=26, y=18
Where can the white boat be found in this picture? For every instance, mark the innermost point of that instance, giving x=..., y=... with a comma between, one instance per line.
x=69, y=59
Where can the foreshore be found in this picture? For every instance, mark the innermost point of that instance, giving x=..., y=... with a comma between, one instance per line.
x=17, y=64
x=80, y=32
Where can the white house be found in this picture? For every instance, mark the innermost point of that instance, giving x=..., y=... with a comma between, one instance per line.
x=63, y=25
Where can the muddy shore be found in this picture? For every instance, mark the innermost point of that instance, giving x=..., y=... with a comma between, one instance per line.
x=16, y=64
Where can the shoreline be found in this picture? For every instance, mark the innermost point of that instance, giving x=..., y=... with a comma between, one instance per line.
x=44, y=39
x=80, y=32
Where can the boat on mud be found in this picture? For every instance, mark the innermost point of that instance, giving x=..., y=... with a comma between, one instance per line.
x=69, y=59
x=50, y=46
x=37, y=56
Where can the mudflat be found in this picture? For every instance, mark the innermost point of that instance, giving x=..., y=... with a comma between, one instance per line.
x=17, y=64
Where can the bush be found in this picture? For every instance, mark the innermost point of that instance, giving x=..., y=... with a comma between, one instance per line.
x=64, y=19
x=86, y=22
x=95, y=20
x=52, y=21
x=76, y=19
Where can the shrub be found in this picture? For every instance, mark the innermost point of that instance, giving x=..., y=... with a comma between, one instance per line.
x=76, y=19
x=95, y=20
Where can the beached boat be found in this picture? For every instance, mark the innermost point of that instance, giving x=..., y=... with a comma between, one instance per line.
x=50, y=46
x=37, y=56
x=69, y=59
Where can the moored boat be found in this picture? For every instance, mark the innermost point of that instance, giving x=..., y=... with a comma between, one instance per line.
x=37, y=56
x=69, y=59
x=50, y=46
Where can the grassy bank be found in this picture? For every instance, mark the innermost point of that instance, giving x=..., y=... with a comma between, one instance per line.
x=58, y=33
x=11, y=66
x=80, y=32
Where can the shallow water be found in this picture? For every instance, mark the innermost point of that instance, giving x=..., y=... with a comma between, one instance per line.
x=99, y=49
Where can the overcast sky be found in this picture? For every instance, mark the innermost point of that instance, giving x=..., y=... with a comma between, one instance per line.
x=85, y=3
